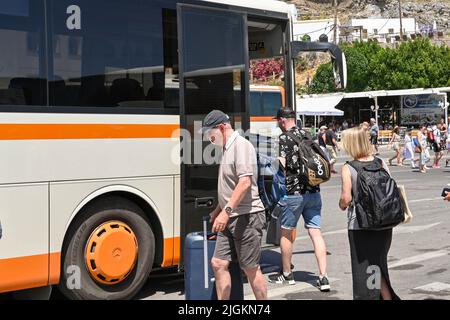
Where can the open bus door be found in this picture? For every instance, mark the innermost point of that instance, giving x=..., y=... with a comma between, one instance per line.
x=213, y=75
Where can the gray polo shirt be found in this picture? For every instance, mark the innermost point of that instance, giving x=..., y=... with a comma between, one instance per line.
x=239, y=160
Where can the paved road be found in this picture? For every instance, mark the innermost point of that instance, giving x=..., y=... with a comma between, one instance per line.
x=419, y=259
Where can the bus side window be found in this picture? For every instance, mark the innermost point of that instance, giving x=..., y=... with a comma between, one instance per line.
x=22, y=37
x=272, y=101
x=255, y=104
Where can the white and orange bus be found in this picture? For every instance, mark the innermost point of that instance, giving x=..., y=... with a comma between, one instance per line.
x=264, y=103
x=90, y=122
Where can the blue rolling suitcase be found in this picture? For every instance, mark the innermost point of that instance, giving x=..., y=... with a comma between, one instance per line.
x=198, y=275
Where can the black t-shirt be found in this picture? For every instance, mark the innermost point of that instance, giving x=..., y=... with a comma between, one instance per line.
x=320, y=138
x=289, y=151
x=330, y=135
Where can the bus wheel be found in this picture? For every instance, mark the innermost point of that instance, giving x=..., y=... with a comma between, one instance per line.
x=109, y=252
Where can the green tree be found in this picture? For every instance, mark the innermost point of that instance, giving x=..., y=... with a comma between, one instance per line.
x=323, y=80
x=414, y=64
x=358, y=73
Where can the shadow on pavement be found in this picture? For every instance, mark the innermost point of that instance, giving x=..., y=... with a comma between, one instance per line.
x=163, y=281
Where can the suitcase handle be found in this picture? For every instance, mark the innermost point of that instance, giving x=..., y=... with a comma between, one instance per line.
x=205, y=251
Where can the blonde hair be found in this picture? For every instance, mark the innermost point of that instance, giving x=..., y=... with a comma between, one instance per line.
x=356, y=143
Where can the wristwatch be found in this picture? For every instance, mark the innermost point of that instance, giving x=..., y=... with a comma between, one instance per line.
x=228, y=210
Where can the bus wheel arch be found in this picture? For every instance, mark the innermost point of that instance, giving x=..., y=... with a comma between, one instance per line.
x=101, y=212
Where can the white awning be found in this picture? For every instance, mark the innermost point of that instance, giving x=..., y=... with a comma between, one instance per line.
x=319, y=106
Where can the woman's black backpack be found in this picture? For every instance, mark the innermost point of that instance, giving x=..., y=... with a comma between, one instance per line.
x=377, y=204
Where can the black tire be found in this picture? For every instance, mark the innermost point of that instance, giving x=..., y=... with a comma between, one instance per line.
x=110, y=208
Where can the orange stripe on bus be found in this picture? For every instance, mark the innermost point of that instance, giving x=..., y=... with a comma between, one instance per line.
x=41, y=270
x=54, y=268
x=29, y=272
x=176, y=251
x=171, y=255
x=85, y=131
x=263, y=119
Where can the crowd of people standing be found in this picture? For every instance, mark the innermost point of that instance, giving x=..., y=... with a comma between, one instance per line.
x=412, y=146
x=429, y=137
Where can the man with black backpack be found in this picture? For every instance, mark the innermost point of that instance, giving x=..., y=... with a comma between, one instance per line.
x=306, y=167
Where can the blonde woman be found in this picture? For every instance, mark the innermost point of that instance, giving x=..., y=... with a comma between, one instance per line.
x=368, y=248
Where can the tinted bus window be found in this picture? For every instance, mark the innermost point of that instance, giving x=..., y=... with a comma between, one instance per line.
x=255, y=104
x=114, y=53
x=15, y=8
x=272, y=101
x=22, y=68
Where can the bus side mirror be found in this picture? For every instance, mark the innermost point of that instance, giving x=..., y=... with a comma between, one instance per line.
x=340, y=70
x=338, y=59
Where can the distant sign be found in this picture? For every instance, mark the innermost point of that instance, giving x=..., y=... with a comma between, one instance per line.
x=417, y=109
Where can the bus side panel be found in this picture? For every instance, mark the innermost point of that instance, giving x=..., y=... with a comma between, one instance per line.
x=65, y=198
x=24, y=259
x=116, y=147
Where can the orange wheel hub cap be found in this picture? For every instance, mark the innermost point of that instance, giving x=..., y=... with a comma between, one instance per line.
x=111, y=252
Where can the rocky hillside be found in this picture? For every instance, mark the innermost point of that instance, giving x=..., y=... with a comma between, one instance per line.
x=425, y=11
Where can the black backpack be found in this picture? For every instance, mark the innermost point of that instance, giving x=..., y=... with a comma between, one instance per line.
x=377, y=204
x=314, y=166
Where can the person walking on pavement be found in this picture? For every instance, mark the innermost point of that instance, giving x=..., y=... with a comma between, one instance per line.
x=365, y=125
x=443, y=128
x=301, y=200
x=423, y=148
x=448, y=142
x=345, y=125
x=374, y=133
x=436, y=144
x=395, y=143
x=321, y=138
x=239, y=217
x=368, y=248
x=408, y=153
x=331, y=145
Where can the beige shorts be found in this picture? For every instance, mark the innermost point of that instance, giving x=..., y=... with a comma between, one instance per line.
x=241, y=240
x=332, y=152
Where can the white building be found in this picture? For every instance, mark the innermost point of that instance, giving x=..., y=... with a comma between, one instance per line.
x=381, y=28
x=315, y=28
x=294, y=11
